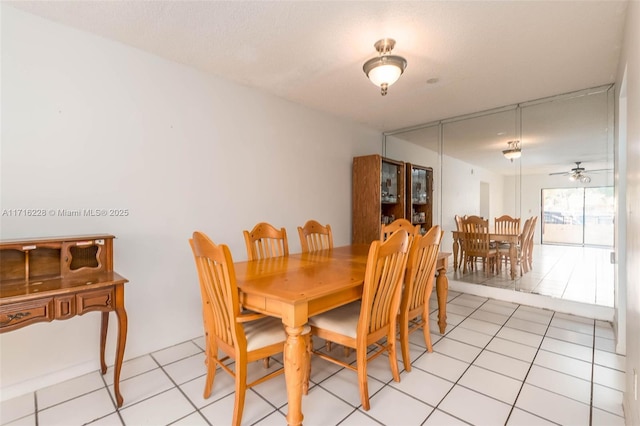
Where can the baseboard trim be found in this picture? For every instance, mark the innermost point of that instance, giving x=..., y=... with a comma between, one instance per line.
x=602, y=313
x=32, y=385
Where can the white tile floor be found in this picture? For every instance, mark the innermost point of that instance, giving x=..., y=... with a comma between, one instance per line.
x=581, y=274
x=498, y=363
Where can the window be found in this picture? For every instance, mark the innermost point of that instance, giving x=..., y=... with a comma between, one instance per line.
x=578, y=216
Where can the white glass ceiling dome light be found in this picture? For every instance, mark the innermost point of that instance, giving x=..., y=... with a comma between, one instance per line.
x=513, y=151
x=386, y=69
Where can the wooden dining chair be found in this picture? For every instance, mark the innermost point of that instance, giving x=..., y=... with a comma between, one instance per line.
x=476, y=245
x=314, y=236
x=506, y=224
x=504, y=249
x=397, y=224
x=418, y=285
x=459, y=220
x=241, y=337
x=371, y=321
x=529, y=242
x=265, y=241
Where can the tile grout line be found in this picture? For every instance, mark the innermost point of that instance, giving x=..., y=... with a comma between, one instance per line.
x=524, y=379
x=476, y=357
x=113, y=401
x=175, y=385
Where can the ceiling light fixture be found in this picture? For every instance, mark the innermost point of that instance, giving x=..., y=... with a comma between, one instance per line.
x=577, y=176
x=513, y=151
x=386, y=69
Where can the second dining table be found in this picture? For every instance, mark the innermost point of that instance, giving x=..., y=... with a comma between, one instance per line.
x=511, y=239
x=298, y=286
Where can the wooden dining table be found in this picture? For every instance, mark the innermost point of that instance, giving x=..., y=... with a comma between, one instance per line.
x=511, y=239
x=298, y=286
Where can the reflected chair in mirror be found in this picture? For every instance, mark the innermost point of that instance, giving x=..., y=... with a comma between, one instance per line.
x=527, y=244
x=240, y=337
x=504, y=249
x=459, y=220
x=418, y=285
x=397, y=224
x=476, y=245
x=372, y=320
x=315, y=237
x=265, y=241
x=505, y=224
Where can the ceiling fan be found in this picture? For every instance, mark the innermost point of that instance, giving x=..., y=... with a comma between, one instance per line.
x=579, y=174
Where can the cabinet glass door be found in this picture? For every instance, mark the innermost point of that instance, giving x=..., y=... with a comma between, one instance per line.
x=418, y=186
x=389, y=183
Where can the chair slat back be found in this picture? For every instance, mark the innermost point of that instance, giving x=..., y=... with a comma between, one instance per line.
x=265, y=241
x=459, y=222
x=397, y=224
x=421, y=267
x=506, y=224
x=385, y=269
x=476, y=236
x=314, y=236
x=219, y=290
x=530, y=235
x=525, y=232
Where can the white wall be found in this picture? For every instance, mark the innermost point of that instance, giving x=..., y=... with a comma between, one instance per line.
x=92, y=123
x=630, y=62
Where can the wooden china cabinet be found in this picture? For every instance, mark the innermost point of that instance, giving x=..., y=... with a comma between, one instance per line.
x=378, y=195
x=419, y=196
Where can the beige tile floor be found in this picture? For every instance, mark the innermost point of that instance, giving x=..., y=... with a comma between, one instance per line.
x=498, y=363
x=582, y=274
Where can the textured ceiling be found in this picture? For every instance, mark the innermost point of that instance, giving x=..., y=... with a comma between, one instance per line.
x=484, y=54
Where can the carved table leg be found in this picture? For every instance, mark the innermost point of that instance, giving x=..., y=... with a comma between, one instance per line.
x=442, y=290
x=513, y=259
x=295, y=370
x=104, y=326
x=122, y=340
x=456, y=247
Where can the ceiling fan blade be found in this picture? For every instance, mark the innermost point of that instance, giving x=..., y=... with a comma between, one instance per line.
x=597, y=170
x=560, y=173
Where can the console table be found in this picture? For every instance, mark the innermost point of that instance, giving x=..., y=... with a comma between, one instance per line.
x=46, y=279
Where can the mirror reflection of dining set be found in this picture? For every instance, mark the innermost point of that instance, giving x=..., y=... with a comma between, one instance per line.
x=358, y=297
x=506, y=247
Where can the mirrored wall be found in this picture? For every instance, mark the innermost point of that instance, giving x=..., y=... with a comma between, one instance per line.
x=564, y=178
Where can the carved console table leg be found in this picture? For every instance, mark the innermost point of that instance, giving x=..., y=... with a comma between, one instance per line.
x=122, y=340
x=104, y=326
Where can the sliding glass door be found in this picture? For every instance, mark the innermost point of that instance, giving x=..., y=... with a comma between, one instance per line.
x=578, y=216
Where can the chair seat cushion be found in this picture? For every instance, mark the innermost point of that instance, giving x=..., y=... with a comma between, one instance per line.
x=265, y=332
x=342, y=320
